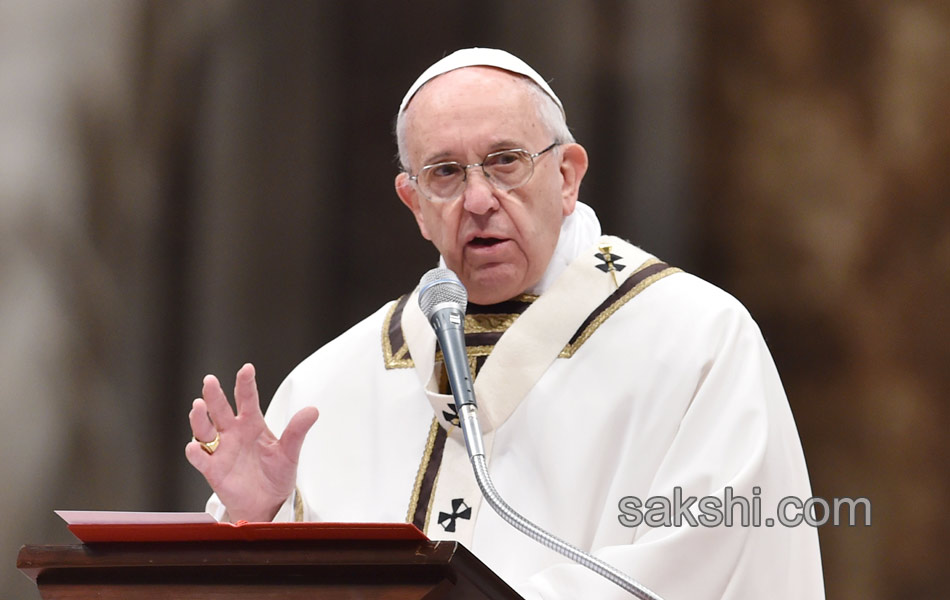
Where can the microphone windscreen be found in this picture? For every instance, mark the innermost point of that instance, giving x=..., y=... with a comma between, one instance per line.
x=439, y=286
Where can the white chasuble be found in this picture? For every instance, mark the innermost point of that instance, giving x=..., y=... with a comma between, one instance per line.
x=624, y=379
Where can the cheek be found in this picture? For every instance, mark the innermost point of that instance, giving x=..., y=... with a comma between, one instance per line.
x=549, y=222
x=437, y=227
x=547, y=229
x=423, y=228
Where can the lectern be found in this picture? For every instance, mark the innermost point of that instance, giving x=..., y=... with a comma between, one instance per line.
x=284, y=569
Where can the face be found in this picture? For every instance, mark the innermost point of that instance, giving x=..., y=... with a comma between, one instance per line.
x=499, y=243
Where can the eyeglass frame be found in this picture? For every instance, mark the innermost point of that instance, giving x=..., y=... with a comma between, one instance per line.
x=415, y=178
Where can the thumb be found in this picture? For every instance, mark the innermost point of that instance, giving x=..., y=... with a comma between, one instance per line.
x=295, y=432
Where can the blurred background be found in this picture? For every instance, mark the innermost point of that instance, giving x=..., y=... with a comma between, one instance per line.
x=189, y=185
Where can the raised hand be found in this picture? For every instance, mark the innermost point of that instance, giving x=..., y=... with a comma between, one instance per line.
x=250, y=469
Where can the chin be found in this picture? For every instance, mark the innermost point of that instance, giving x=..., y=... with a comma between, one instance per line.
x=493, y=291
x=495, y=283
x=489, y=297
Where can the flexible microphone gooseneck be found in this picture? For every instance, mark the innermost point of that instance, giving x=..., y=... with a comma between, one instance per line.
x=443, y=300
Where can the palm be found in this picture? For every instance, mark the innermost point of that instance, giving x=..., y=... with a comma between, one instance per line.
x=252, y=471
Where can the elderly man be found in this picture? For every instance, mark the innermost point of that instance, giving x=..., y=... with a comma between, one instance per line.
x=604, y=377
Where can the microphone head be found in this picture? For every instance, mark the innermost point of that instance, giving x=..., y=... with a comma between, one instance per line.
x=441, y=286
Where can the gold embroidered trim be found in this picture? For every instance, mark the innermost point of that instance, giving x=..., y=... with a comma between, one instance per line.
x=499, y=323
x=420, y=475
x=471, y=351
x=298, y=505
x=435, y=482
x=394, y=360
x=398, y=357
x=529, y=298
x=570, y=348
x=475, y=323
x=435, y=485
x=489, y=323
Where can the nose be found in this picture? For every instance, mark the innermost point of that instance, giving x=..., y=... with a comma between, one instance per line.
x=479, y=194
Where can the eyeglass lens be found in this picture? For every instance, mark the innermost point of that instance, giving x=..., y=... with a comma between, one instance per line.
x=506, y=170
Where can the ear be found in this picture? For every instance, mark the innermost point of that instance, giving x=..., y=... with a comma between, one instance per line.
x=410, y=197
x=573, y=168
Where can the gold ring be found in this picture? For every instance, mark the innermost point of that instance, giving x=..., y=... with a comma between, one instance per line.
x=211, y=446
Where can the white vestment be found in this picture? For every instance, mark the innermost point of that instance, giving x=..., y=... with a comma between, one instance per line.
x=668, y=386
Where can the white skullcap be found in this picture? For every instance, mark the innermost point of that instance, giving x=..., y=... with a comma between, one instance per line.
x=480, y=57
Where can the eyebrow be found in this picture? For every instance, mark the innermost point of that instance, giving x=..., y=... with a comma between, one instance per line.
x=446, y=156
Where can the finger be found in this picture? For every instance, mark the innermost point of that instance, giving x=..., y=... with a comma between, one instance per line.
x=217, y=403
x=295, y=432
x=246, y=398
x=198, y=458
x=201, y=426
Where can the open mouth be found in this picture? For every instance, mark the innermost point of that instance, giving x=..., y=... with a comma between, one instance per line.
x=485, y=242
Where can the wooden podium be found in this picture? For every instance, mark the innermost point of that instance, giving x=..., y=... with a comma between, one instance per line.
x=291, y=569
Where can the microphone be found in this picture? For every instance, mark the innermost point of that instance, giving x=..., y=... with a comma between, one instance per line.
x=443, y=299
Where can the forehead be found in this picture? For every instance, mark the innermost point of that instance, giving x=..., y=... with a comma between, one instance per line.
x=471, y=110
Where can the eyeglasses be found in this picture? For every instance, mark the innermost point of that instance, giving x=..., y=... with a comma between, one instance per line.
x=505, y=169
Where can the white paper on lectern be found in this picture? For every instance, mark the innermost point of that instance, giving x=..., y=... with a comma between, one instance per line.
x=117, y=517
